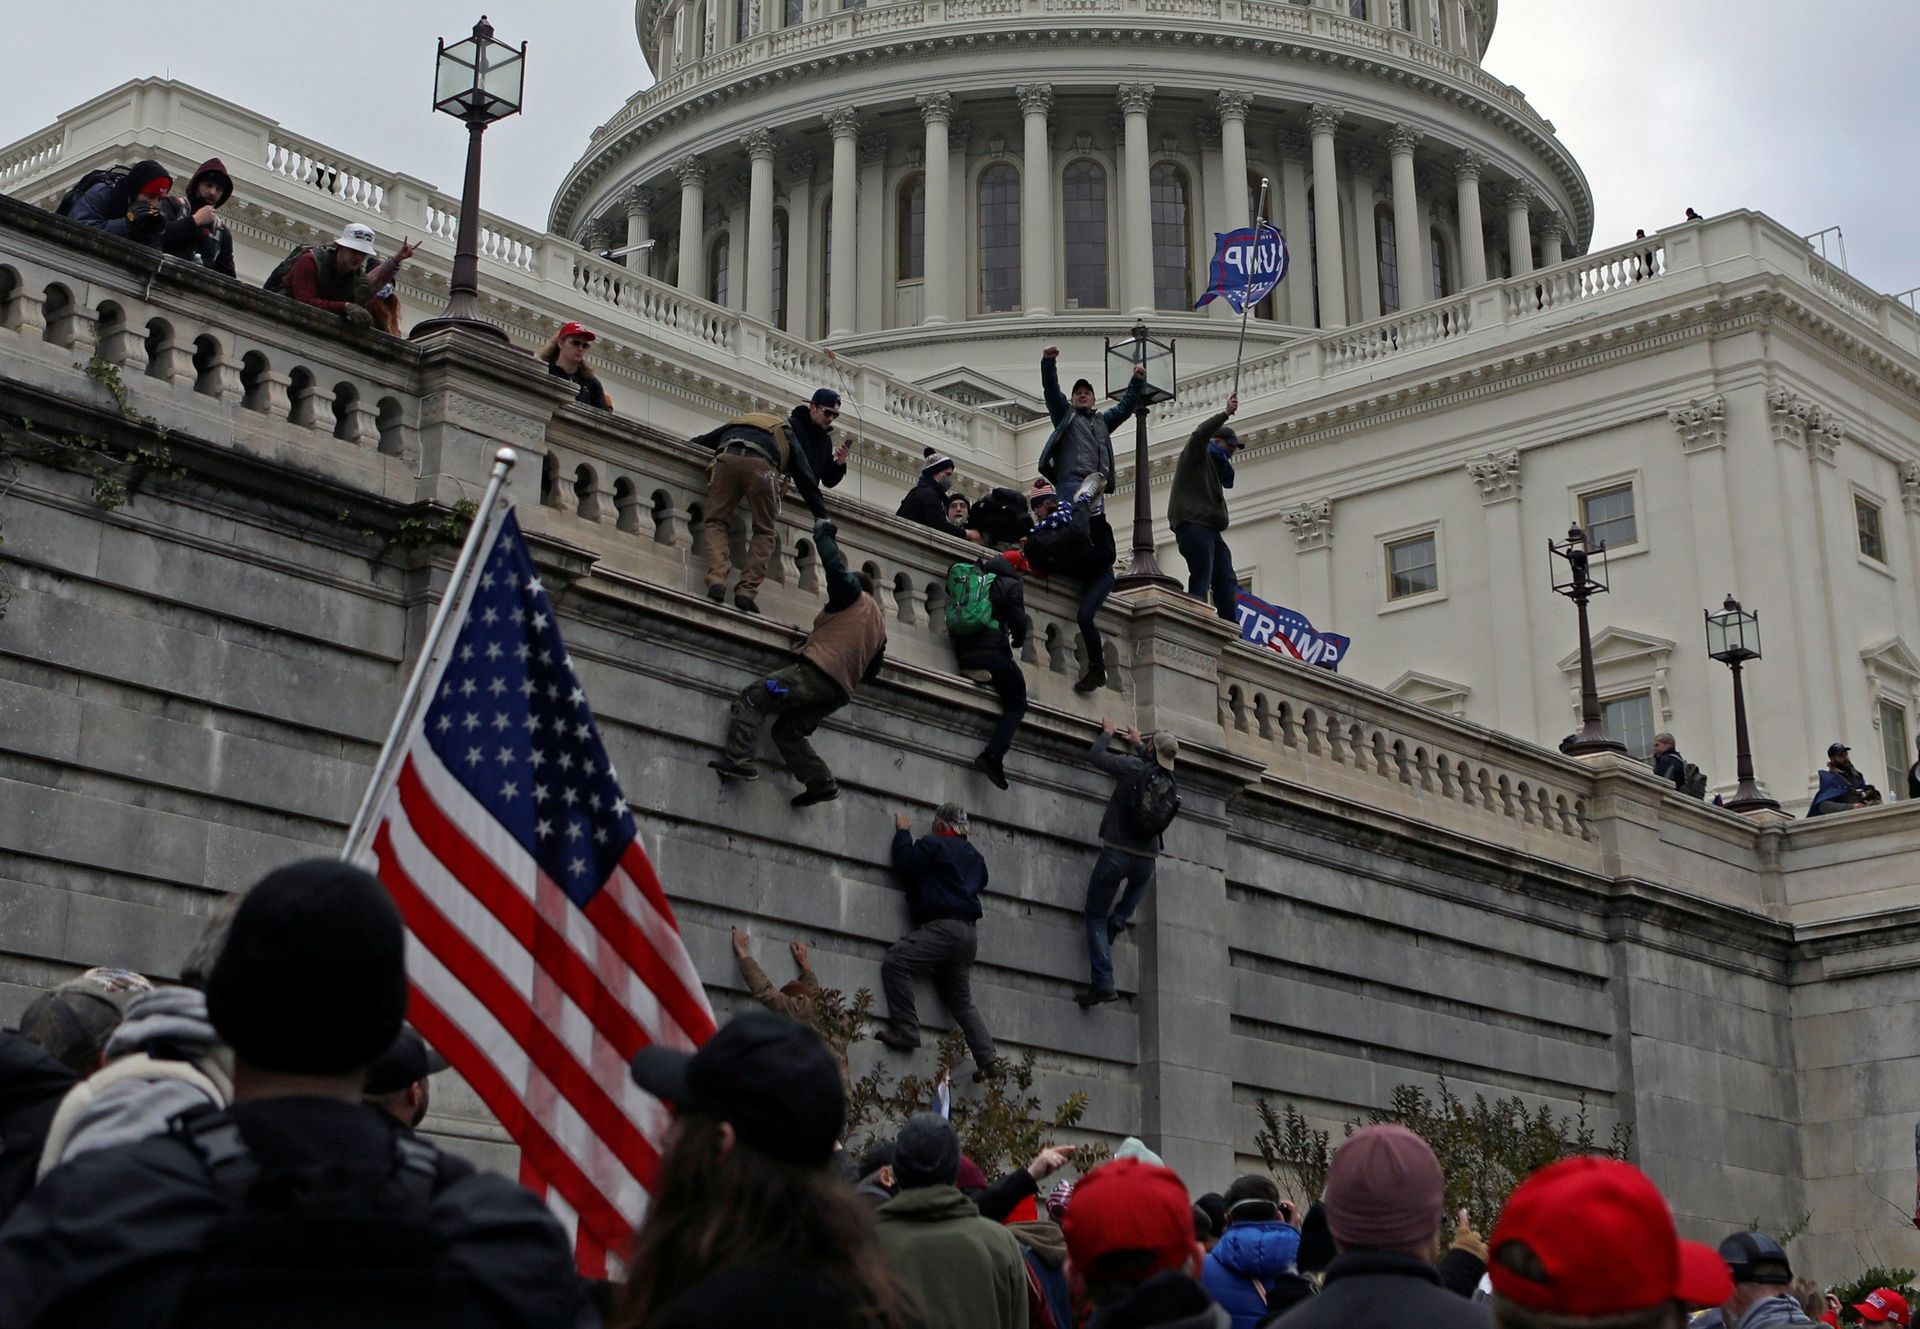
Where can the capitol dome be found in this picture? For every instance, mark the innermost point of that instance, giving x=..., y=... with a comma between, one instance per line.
x=941, y=186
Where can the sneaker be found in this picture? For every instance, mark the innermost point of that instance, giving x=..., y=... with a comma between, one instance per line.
x=896, y=1040
x=734, y=770
x=1090, y=487
x=717, y=593
x=824, y=793
x=990, y=1071
x=1093, y=680
x=992, y=768
x=745, y=604
x=1089, y=997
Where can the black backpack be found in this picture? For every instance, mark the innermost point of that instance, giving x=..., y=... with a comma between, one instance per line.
x=1693, y=780
x=1152, y=801
x=322, y=1244
x=67, y=200
x=277, y=279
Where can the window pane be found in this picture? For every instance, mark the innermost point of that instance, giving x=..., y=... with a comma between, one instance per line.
x=796, y=13
x=742, y=19
x=1413, y=567
x=1313, y=256
x=1630, y=720
x=1085, y=197
x=1402, y=14
x=1437, y=259
x=1172, y=266
x=1356, y=8
x=1608, y=517
x=1389, y=259
x=826, y=264
x=1866, y=517
x=911, y=239
x=1894, y=745
x=999, y=239
x=780, y=268
x=717, y=272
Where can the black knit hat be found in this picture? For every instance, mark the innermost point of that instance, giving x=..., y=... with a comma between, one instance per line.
x=313, y=977
x=937, y=462
x=926, y=1152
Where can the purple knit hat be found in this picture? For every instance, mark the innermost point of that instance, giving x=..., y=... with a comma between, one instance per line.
x=1385, y=1191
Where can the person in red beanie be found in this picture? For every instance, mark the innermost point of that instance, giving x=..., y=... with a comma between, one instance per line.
x=1590, y=1241
x=1385, y=1194
x=1883, y=1305
x=1132, y=1253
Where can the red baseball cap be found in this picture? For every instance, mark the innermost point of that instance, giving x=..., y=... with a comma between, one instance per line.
x=1591, y=1237
x=576, y=330
x=1128, y=1205
x=1884, y=1306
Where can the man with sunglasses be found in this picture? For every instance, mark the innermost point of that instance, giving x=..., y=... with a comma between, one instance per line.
x=812, y=423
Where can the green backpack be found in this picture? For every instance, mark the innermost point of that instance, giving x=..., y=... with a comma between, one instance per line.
x=969, y=602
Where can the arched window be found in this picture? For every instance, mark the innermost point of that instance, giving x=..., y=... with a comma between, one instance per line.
x=717, y=274
x=1172, y=237
x=999, y=239
x=853, y=4
x=780, y=268
x=796, y=13
x=1313, y=256
x=742, y=19
x=1437, y=260
x=698, y=37
x=910, y=228
x=825, y=266
x=1402, y=14
x=1357, y=9
x=1389, y=259
x=1084, y=195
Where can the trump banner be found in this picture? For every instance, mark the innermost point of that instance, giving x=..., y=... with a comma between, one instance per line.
x=1247, y=265
x=1289, y=633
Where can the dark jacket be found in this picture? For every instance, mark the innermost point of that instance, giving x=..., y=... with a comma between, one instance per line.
x=1124, y=768
x=32, y=1084
x=741, y=1296
x=944, y=876
x=1082, y=441
x=1672, y=767
x=774, y=440
x=1004, y=1196
x=969, y=1273
x=1838, y=790
x=109, y=206
x=1248, y=1254
x=818, y=443
x=1002, y=516
x=1007, y=595
x=589, y=392
x=109, y=1239
x=1200, y=479
x=1166, y=1301
x=1383, y=1291
x=849, y=639
x=926, y=504
x=1049, y=1299
x=209, y=246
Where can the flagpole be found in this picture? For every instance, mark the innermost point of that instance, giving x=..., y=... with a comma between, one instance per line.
x=459, y=588
x=1246, y=309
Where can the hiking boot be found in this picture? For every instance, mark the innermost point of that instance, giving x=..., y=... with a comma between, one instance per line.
x=1090, y=997
x=734, y=770
x=896, y=1040
x=717, y=593
x=745, y=604
x=1093, y=680
x=822, y=793
x=992, y=768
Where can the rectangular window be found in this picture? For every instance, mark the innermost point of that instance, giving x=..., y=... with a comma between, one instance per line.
x=1607, y=515
x=1630, y=720
x=1866, y=520
x=1413, y=567
x=1896, y=749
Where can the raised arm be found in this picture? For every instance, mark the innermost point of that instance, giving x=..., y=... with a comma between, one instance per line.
x=800, y=467
x=1136, y=387
x=843, y=588
x=1057, y=404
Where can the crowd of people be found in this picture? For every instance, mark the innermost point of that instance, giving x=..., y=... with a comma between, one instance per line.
x=240, y=1149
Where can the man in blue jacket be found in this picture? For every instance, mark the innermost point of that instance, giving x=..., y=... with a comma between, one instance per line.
x=944, y=877
x=1842, y=787
x=1246, y=1267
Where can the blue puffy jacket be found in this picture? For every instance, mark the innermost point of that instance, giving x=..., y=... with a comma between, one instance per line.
x=1245, y=1254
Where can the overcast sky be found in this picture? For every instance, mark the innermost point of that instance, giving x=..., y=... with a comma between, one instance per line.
x=1805, y=112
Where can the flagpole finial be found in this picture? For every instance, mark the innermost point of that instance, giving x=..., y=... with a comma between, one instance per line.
x=506, y=457
x=1264, y=182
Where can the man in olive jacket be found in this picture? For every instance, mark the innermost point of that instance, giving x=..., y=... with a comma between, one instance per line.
x=968, y=1272
x=1197, y=511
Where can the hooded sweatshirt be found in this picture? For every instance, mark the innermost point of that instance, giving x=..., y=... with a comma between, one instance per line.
x=1775, y=1313
x=1245, y=1263
x=209, y=246
x=32, y=1084
x=969, y=1273
x=109, y=205
x=1045, y=1249
x=1166, y=1301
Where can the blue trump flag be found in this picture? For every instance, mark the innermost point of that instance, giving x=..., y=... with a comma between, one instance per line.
x=1289, y=633
x=1247, y=265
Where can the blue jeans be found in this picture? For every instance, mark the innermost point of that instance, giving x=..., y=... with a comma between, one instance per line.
x=1209, y=567
x=1112, y=870
x=1091, y=599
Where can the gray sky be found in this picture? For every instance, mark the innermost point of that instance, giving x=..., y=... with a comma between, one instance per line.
x=1805, y=112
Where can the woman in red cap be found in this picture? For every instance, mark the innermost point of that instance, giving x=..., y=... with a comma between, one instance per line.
x=566, y=357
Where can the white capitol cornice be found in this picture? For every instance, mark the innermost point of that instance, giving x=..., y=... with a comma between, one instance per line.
x=828, y=49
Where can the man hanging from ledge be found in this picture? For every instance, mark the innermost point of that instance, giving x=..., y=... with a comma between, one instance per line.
x=844, y=650
x=750, y=457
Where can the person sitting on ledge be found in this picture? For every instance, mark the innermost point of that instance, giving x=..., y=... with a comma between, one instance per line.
x=929, y=503
x=344, y=278
x=1842, y=787
x=566, y=357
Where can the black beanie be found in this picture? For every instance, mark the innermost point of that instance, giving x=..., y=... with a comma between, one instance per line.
x=313, y=977
x=926, y=1152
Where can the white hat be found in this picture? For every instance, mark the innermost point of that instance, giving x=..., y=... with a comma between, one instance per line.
x=357, y=237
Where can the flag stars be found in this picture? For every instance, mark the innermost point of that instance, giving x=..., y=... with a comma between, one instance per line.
x=569, y=795
x=501, y=722
x=444, y=724
x=581, y=731
x=494, y=651
x=538, y=758
x=575, y=830
x=468, y=687
x=466, y=653
x=504, y=756
x=539, y=625
x=578, y=867
x=475, y=756
x=471, y=722
x=489, y=616
x=543, y=828
x=600, y=835
x=510, y=790
x=496, y=687
x=540, y=793
x=578, y=698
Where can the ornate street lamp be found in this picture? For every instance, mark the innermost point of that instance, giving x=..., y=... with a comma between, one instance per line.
x=1580, y=586
x=1733, y=638
x=478, y=80
x=1157, y=356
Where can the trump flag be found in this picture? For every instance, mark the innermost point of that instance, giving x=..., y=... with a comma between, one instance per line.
x=1289, y=633
x=1247, y=265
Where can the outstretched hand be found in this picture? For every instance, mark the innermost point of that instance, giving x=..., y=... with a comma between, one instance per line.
x=1233, y=403
x=798, y=950
x=902, y=822
x=1140, y=371
x=1051, y=353
x=742, y=944
x=1049, y=1161
x=406, y=251
x=1106, y=724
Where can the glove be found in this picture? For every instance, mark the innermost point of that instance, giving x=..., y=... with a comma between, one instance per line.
x=357, y=317
x=826, y=528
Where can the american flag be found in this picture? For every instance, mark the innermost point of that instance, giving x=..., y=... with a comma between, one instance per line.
x=541, y=951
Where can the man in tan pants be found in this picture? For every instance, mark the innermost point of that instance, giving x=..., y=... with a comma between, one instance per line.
x=750, y=457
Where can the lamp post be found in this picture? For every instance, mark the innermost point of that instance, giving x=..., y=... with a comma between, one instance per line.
x=478, y=80
x=1157, y=356
x=1733, y=638
x=1580, y=586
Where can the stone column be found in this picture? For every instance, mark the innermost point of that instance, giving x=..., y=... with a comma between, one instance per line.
x=871, y=225
x=1297, y=289
x=800, y=275
x=1136, y=212
x=1473, y=249
x=1321, y=121
x=1519, y=200
x=1036, y=202
x=936, y=111
x=845, y=124
x=1553, y=234
x=1497, y=476
x=639, y=202
x=734, y=219
x=1416, y=287
x=760, y=146
x=1233, y=154
x=1361, y=164
x=693, y=224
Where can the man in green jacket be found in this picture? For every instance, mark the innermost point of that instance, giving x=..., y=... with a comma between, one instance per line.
x=968, y=1272
x=1197, y=510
